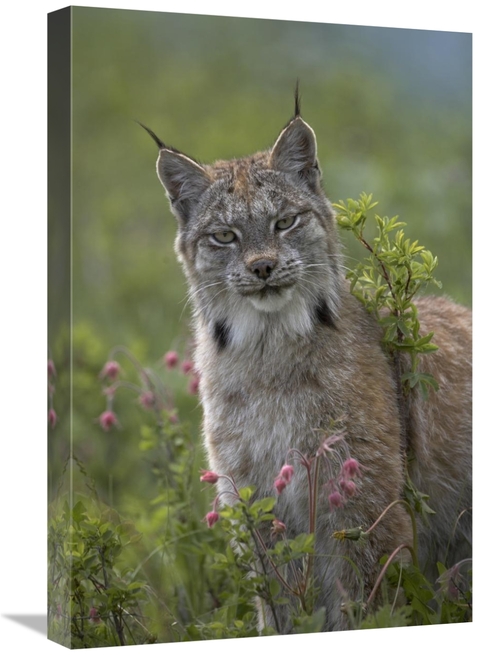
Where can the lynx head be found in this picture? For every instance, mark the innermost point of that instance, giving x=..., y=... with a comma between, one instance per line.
x=256, y=238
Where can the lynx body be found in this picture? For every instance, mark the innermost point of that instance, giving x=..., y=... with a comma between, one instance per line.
x=283, y=349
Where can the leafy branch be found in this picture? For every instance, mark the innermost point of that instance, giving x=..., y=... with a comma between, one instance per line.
x=387, y=281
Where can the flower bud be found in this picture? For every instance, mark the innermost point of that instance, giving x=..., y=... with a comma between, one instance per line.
x=211, y=518
x=94, y=616
x=147, y=399
x=171, y=359
x=286, y=473
x=107, y=420
x=350, y=468
x=278, y=527
x=335, y=499
x=353, y=534
x=110, y=370
x=209, y=476
x=279, y=484
x=187, y=366
x=52, y=418
x=348, y=487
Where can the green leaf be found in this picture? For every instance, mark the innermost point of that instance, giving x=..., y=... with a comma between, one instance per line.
x=309, y=624
x=246, y=493
x=388, y=617
x=264, y=504
x=274, y=587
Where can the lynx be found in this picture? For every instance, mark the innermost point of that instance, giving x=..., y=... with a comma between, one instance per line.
x=283, y=349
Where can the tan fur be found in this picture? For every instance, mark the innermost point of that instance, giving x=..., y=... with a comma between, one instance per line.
x=278, y=366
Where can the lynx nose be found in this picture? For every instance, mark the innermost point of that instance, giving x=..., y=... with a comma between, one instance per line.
x=263, y=268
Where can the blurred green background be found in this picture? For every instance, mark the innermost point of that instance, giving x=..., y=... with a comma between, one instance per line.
x=392, y=112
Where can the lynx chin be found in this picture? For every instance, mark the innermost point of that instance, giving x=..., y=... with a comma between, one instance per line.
x=283, y=349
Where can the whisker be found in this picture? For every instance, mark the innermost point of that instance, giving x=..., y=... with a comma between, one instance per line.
x=191, y=295
x=200, y=310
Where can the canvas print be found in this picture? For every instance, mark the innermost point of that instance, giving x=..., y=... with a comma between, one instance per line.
x=260, y=328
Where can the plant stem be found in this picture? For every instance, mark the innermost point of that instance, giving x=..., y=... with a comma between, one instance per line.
x=386, y=566
x=400, y=501
x=263, y=564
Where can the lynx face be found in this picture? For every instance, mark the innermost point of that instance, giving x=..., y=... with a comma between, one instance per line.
x=255, y=238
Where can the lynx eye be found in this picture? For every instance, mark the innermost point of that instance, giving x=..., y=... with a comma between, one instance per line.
x=224, y=237
x=285, y=223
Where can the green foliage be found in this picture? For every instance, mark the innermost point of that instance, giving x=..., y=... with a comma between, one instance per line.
x=93, y=599
x=421, y=601
x=387, y=281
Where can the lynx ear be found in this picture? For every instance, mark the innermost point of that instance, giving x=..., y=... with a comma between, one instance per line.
x=184, y=180
x=295, y=152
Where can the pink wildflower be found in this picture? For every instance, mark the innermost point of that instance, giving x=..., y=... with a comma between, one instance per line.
x=278, y=527
x=335, y=499
x=279, y=484
x=94, y=616
x=187, y=366
x=110, y=370
x=211, y=518
x=286, y=473
x=52, y=418
x=173, y=418
x=194, y=385
x=326, y=445
x=147, y=399
x=171, y=359
x=209, y=476
x=51, y=369
x=107, y=419
x=350, y=468
x=348, y=487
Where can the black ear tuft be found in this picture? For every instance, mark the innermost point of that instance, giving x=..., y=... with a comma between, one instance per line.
x=297, y=100
x=158, y=141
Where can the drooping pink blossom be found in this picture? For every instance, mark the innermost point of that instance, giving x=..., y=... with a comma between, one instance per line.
x=187, y=366
x=348, y=487
x=52, y=418
x=107, y=420
x=286, y=473
x=147, y=399
x=94, y=616
x=278, y=527
x=211, y=518
x=279, y=484
x=110, y=370
x=171, y=359
x=335, y=499
x=351, y=468
x=209, y=476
